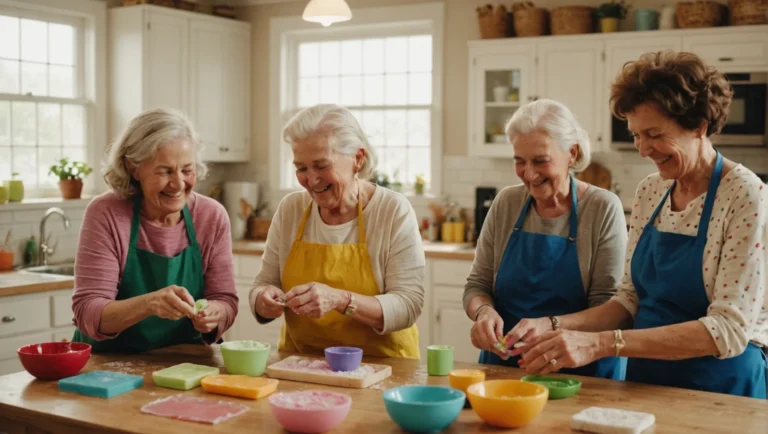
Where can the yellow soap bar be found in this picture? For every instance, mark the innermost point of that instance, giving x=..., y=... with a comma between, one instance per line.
x=241, y=386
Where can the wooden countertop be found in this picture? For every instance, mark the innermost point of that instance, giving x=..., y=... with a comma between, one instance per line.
x=17, y=283
x=464, y=251
x=28, y=405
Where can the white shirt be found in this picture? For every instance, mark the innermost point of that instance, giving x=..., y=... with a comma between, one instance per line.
x=395, y=249
x=734, y=267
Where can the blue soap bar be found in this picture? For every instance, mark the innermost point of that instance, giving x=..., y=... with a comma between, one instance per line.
x=104, y=384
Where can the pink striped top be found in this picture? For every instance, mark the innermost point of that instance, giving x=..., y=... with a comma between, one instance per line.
x=103, y=249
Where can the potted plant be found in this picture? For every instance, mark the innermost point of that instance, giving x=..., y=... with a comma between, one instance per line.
x=70, y=174
x=610, y=14
x=15, y=188
x=396, y=184
x=419, y=184
x=381, y=179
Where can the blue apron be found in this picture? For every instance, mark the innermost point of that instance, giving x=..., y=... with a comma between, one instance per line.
x=666, y=271
x=539, y=276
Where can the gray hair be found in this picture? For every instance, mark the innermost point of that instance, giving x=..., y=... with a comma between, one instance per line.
x=140, y=141
x=339, y=125
x=557, y=121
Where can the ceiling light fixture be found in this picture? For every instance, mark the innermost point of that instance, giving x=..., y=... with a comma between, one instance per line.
x=327, y=12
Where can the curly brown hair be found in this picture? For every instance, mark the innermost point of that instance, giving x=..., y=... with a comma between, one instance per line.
x=686, y=89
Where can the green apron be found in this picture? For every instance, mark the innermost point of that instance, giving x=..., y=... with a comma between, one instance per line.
x=146, y=272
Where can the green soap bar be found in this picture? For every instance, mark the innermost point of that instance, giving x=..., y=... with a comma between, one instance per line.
x=184, y=376
x=200, y=305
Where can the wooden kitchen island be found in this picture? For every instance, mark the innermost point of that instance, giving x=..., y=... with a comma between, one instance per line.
x=31, y=406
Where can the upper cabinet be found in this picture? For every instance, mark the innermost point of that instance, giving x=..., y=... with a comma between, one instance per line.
x=198, y=64
x=578, y=70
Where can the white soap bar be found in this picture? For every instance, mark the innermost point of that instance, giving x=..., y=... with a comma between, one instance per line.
x=611, y=421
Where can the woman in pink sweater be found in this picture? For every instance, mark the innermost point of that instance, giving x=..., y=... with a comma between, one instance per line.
x=151, y=247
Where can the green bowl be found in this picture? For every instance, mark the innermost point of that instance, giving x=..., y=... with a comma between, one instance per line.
x=245, y=357
x=559, y=387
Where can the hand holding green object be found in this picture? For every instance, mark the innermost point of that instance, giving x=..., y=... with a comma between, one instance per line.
x=200, y=305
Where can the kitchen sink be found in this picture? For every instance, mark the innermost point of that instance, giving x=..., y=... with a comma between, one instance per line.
x=67, y=269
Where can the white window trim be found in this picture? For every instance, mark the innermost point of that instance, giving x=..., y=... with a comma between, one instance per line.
x=92, y=16
x=370, y=22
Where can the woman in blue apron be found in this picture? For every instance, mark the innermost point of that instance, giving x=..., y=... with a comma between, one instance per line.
x=695, y=283
x=539, y=274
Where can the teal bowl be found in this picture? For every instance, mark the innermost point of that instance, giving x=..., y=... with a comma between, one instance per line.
x=424, y=409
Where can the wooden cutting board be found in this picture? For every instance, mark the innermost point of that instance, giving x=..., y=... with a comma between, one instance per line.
x=313, y=370
x=596, y=174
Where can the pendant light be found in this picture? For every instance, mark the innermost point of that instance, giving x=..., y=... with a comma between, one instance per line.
x=327, y=12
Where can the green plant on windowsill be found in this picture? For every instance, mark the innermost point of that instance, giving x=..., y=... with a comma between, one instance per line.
x=613, y=9
x=71, y=175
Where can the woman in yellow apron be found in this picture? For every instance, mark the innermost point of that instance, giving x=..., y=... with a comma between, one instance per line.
x=344, y=260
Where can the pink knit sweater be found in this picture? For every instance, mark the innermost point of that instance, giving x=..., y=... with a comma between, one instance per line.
x=103, y=250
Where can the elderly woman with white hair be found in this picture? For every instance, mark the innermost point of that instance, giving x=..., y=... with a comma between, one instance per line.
x=549, y=247
x=150, y=247
x=344, y=260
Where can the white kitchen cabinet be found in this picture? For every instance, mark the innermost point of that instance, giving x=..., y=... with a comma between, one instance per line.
x=199, y=64
x=452, y=326
x=736, y=52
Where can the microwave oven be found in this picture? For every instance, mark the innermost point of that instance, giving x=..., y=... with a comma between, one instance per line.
x=747, y=124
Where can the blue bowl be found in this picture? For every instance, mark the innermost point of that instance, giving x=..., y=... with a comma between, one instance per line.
x=424, y=409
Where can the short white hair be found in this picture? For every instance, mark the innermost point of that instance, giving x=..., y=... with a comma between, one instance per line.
x=339, y=126
x=557, y=121
x=139, y=142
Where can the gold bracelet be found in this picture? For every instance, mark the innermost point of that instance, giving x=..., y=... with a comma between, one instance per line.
x=618, y=341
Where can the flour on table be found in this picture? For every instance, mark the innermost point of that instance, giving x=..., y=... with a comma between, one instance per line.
x=193, y=409
x=135, y=368
x=321, y=367
x=309, y=400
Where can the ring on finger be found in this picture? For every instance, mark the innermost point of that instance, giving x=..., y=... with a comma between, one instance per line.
x=554, y=364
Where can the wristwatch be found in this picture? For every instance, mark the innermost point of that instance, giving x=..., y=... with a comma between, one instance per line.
x=555, y=322
x=352, y=306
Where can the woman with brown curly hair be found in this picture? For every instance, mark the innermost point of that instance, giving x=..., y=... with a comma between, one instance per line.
x=693, y=291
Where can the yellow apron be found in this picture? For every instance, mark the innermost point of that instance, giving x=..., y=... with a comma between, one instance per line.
x=341, y=266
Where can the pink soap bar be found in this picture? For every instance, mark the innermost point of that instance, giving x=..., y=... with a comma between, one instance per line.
x=194, y=409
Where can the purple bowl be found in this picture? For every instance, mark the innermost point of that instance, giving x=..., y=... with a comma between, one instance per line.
x=343, y=358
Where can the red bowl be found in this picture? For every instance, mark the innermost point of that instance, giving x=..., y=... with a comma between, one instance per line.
x=54, y=360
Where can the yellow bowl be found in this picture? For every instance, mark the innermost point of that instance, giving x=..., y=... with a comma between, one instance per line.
x=462, y=378
x=507, y=403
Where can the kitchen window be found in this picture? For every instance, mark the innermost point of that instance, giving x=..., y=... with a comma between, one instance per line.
x=386, y=71
x=44, y=115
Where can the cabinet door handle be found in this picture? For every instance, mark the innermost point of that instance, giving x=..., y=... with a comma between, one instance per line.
x=438, y=316
x=726, y=59
x=223, y=149
x=9, y=318
x=600, y=138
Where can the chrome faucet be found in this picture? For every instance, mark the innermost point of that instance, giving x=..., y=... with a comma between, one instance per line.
x=44, y=249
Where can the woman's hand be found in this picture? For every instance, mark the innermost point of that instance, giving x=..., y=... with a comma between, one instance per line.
x=270, y=302
x=568, y=348
x=487, y=331
x=524, y=331
x=315, y=299
x=207, y=320
x=172, y=302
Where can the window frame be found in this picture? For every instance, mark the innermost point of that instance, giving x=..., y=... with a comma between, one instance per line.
x=287, y=32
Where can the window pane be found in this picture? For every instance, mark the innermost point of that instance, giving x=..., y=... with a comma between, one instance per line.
x=420, y=54
x=329, y=58
x=5, y=163
x=24, y=123
x=34, y=79
x=419, y=161
x=25, y=163
x=62, y=81
x=419, y=128
x=309, y=92
x=47, y=157
x=9, y=76
x=373, y=90
x=351, y=57
x=373, y=56
x=9, y=34
x=61, y=41
x=74, y=154
x=396, y=55
x=73, y=121
x=5, y=124
x=309, y=60
x=396, y=89
x=394, y=128
x=393, y=163
x=373, y=125
x=329, y=90
x=358, y=114
x=49, y=124
x=34, y=40
x=351, y=90
x=420, y=88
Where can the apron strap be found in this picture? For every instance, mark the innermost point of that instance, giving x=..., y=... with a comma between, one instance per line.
x=136, y=224
x=191, y=234
x=573, y=220
x=304, y=218
x=360, y=220
x=658, y=207
x=709, y=202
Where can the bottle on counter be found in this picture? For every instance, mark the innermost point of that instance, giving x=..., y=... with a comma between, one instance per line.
x=30, y=251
